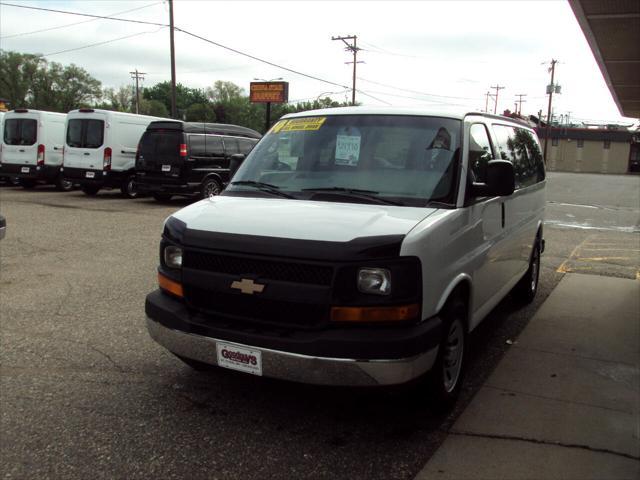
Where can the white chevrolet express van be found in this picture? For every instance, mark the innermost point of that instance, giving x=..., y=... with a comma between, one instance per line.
x=32, y=143
x=355, y=246
x=100, y=149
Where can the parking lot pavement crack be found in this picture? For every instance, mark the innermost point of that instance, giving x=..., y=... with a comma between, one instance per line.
x=463, y=433
x=555, y=399
x=565, y=354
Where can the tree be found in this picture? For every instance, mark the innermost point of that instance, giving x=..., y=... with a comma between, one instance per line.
x=31, y=81
x=17, y=72
x=185, y=96
x=154, y=108
x=200, y=112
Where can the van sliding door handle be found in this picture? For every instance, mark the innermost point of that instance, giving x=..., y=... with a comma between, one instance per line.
x=502, y=204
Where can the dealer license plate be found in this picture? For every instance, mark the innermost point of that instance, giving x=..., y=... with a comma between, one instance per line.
x=166, y=168
x=24, y=170
x=90, y=174
x=239, y=358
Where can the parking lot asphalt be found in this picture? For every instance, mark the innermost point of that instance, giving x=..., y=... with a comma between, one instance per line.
x=84, y=392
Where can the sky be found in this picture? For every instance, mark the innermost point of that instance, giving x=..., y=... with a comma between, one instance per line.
x=415, y=53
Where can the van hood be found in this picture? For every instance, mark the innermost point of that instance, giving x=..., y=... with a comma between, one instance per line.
x=299, y=219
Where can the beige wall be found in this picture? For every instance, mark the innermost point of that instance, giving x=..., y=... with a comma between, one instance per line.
x=591, y=158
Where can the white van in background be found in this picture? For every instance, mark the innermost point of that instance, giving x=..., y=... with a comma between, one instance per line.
x=100, y=149
x=32, y=143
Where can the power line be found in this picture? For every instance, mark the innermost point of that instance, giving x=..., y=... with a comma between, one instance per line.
x=313, y=77
x=101, y=43
x=75, y=23
x=414, y=91
x=104, y=17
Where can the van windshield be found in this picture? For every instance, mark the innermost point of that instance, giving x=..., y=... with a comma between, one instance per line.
x=18, y=131
x=400, y=160
x=85, y=133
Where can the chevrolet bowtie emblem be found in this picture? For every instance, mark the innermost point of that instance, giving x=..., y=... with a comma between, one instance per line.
x=248, y=286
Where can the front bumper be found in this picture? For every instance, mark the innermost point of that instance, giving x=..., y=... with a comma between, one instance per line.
x=362, y=356
x=301, y=368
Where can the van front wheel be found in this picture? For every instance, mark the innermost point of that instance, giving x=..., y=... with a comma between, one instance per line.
x=210, y=187
x=526, y=289
x=445, y=379
x=128, y=187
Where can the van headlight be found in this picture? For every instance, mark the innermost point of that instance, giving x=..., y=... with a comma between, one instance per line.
x=376, y=281
x=173, y=256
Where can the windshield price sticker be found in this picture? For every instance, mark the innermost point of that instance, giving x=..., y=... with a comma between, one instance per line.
x=347, y=150
x=309, y=124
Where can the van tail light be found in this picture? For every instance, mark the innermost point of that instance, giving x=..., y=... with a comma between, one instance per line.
x=40, y=155
x=106, y=162
x=183, y=149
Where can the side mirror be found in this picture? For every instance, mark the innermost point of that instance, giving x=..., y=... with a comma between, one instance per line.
x=234, y=163
x=501, y=180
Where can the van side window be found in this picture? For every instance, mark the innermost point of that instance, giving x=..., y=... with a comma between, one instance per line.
x=517, y=145
x=196, y=146
x=214, y=146
x=534, y=155
x=230, y=146
x=479, y=152
x=246, y=145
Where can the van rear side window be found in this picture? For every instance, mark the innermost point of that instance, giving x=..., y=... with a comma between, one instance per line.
x=20, y=131
x=85, y=133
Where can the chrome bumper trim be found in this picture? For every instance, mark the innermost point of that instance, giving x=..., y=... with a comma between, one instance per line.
x=301, y=368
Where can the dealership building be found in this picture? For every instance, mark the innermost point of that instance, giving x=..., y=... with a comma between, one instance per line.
x=591, y=150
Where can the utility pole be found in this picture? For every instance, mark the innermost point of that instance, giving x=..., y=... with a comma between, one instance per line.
x=174, y=112
x=137, y=76
x=520, y=101
x=550, y=91
x=351, y=48
x=486, y=101
x=495, y=107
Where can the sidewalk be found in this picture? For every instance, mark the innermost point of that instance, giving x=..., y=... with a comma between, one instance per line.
x=564, y=402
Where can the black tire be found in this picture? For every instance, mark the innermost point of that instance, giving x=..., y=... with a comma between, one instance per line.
x=526, y=289
x=445, y=378
x=195, y=364
x=63, y=185
x=90, y=190
x=128, y=187
x=28, y=184
x=210, y=187
x=162, y=197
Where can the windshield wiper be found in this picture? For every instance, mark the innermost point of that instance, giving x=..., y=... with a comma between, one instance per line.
x=265, y=187
x=438, y=204
x=356, y=193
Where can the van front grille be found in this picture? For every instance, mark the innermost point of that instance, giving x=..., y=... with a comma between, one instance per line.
x=293, y=272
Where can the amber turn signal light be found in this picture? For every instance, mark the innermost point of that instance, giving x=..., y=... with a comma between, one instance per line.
x=375, y=314
x=170, y=286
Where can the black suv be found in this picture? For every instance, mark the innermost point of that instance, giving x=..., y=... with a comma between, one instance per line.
x=189, y=158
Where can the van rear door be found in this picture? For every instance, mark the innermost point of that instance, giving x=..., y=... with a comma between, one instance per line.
x=162, y=153
x=84, y=142
x=21, y=139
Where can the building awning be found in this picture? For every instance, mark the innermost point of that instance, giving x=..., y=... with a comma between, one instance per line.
x=612, y=29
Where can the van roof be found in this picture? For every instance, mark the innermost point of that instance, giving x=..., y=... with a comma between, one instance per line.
x=455, y=113
x=109, y=113
x=201, y=127
x=20, y=111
